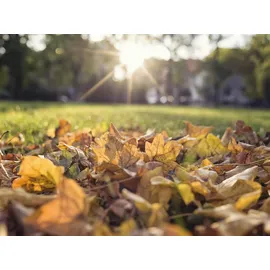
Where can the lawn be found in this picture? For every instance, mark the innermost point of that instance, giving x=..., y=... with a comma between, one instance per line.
x=34, y=119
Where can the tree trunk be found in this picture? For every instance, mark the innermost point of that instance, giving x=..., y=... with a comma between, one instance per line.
x=216, y=81
x=169, y=79
x=16, y=66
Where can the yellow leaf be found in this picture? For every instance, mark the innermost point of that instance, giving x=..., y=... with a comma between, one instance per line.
x=158, y=216
x=197, y=131
x=3, y=229
x=175, y=230
x=127, y=227
x=17, y=140
x=234, y=147
x=165, y=153
x=206, y=162
x=129, y=156
x=161, y=191
x=249, y=198
x=209, y=146
x=186, y=193
x=51, y=132
x=38, y=174
x=198, y=187
x=110, y=149
x=101, y=229
x=141, y=204
x=69, y=205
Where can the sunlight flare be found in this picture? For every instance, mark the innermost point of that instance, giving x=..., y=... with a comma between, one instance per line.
x=132, y=55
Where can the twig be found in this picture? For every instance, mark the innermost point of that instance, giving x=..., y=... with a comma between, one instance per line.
x=180, y=215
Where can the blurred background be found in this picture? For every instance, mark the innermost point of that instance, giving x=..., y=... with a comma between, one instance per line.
x=193, y=69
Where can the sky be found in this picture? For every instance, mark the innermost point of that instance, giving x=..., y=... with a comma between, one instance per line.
x=201, y=45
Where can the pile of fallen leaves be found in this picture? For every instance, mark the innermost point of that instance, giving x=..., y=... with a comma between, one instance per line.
x=130, y=183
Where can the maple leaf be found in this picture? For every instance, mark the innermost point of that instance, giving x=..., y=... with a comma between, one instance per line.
x=111, y=150
x=38, y=174
x=209, y=146
x=165, y=153
x=198, y=132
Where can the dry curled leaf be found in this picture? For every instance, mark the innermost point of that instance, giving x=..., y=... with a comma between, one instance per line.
x=63, y=128
x=38, y=174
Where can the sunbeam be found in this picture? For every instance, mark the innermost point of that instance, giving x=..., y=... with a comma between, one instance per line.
x=96, y=86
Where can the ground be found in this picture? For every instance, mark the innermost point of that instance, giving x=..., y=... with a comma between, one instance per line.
x=34, y=119
x=64, y=181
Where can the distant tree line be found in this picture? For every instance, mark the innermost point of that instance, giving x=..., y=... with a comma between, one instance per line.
x=71, y=64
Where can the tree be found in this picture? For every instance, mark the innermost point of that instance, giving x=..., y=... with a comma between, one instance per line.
x=233, y=61
x=215, y=40
x=15, y=51
x=172, y=43
x=259, y=49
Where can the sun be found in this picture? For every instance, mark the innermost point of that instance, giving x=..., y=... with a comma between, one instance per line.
x=132, y=55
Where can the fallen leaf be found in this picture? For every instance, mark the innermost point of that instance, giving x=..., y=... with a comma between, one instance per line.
x=209, y=146
x=198, y=132
x=141, y=204
x=229, y=187
x=38, y=174
x=186, y=193
x=127, y=227
x=56, y=216
x=175, y=230
x=63, y=128
x=165, y=153
x=247, y=199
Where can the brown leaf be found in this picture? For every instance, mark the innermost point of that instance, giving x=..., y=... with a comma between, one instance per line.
x=246, y=131
x=63, y=128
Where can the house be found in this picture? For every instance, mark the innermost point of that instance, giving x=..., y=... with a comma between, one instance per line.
x=233, y=91
x=198, y=88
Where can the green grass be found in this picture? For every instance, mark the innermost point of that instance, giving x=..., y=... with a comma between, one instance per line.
x=34, y=119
